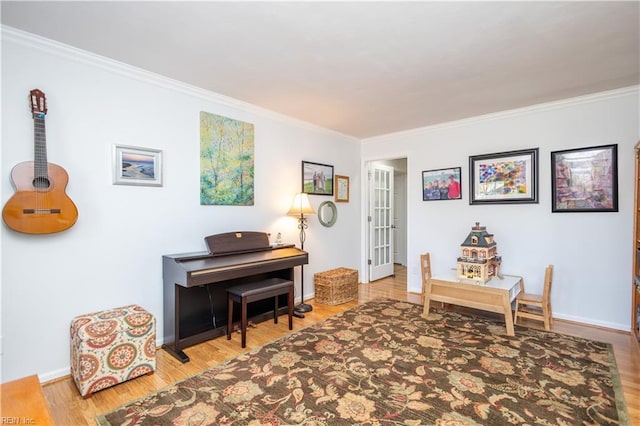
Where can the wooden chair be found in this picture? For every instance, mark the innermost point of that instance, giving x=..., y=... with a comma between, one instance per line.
x=534, y=306
x=425, y=267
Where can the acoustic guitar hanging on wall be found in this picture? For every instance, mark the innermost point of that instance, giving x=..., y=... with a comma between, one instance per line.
x=40, y=204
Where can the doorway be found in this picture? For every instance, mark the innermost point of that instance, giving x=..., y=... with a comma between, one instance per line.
x=386, y=217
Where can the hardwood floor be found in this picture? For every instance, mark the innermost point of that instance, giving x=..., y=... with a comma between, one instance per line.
x=69, y=409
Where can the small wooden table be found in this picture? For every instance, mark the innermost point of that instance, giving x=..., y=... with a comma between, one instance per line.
x=23, y=403
x=495, y=295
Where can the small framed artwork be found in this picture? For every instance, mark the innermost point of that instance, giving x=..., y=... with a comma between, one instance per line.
x=137, y=166
x=442, y=184
x=504, y=178
x=317, y=179
x=342, y=189
x=585, y=179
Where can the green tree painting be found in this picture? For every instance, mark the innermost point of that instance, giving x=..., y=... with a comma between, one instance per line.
x=226, y=161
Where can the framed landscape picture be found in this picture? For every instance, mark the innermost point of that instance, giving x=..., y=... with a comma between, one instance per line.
x=585, y=179
x=317, y=179
x=137, y=166
x=442, y=184
x=504, y=178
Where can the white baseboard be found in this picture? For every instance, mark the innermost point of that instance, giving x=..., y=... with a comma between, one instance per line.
x=55, y=374
x=590, y=321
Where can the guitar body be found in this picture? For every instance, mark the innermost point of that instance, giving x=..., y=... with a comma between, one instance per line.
x=40, y=204
x=43, y=209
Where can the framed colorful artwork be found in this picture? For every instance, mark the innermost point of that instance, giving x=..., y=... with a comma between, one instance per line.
x=504, y=178
x=227, y=161
x=585, y=179
x=317, y=179
x=137, y=166
x=442, y=184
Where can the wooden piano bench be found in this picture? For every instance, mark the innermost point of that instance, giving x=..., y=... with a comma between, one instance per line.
x=252, y=292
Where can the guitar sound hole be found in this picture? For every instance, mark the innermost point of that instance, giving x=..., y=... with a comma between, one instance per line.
x=41, y=182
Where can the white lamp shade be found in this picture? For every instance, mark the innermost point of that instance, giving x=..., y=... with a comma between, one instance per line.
x=301, y=206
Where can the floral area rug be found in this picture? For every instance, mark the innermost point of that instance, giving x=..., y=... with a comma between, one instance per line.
x=382, y=363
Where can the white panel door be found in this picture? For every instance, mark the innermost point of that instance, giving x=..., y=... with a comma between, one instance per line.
x=380, y=222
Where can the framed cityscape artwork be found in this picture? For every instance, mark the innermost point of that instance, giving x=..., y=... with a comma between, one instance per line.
x=585, y=179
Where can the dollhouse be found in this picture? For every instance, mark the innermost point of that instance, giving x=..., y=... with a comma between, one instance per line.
x=479, y=260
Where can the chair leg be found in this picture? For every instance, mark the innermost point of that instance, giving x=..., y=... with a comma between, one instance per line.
x=290, y=307
x=243, y=322
x=275, y=310
x=229, y=316
x=547, y=325
x=546, y=313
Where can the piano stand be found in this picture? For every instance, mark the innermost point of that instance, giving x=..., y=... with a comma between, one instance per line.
x=195, y=286
x=247, y=293
x=179, y=354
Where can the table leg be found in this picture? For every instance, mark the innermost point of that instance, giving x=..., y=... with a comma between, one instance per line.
x=508, y=316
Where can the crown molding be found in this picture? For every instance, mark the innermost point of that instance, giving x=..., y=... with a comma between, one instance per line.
x=65, y=51
x=547, y=106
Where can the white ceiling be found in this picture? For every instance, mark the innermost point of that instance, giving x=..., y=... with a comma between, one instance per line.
x=361, y=68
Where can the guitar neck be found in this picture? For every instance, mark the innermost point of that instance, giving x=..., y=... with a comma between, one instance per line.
x=40, y=148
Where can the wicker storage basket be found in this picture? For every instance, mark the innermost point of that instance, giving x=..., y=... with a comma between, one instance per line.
x=336, y=286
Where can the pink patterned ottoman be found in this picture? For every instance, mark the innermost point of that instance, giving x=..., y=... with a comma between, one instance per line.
x=111, y=347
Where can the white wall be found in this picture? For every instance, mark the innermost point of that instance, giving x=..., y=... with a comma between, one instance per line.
x=591, y=252
x=112, y=256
